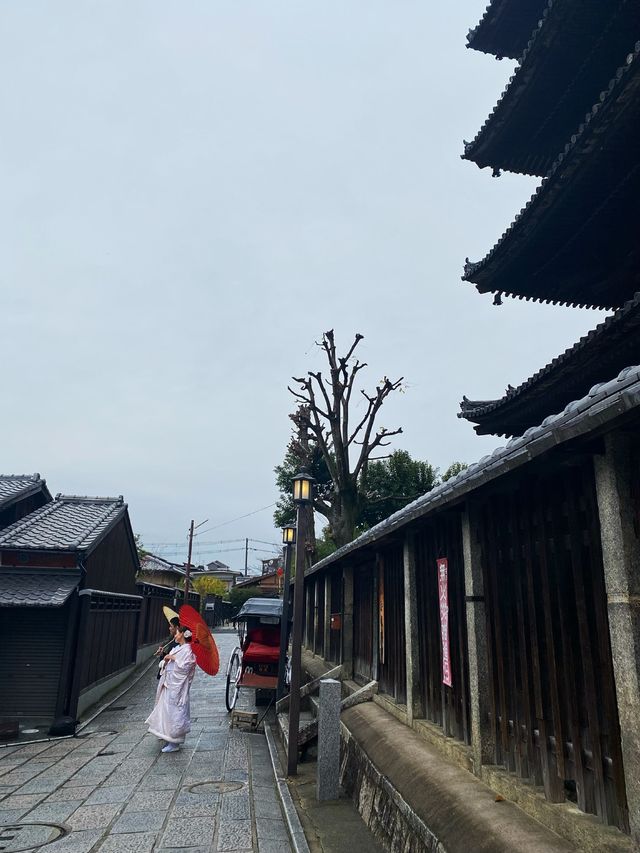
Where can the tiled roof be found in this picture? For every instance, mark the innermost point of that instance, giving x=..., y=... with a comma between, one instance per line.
x=69, y=523
x=569, y=59
x=16, y=486
x=505, y=27
x=600, y=406
x=553, y=220
x=36, y=587
x=153, y=563
x=602, y=351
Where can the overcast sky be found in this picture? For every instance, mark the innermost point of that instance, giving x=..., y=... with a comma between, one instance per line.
x=192, y=192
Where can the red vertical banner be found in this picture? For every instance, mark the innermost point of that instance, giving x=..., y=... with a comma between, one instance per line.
x=443, y=599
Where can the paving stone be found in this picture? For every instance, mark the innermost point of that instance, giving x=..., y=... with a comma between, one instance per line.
x=21, y=801
x=271, y=830
x=138, y=822
x=266, y=805
x=146, y=801
x=268, y=846
x=158, y=782
x=134, y=842
x=188, y=832
x=95, y=816
x=70, y=793
x=75, y=842
x=235, y=807
x=55, y=812
x=115, y=794
x=234, y=835
x=11, y=816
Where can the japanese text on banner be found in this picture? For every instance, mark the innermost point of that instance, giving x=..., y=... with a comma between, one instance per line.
x=443, y=598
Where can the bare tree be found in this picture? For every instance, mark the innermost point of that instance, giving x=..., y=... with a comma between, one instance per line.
x=347, y=443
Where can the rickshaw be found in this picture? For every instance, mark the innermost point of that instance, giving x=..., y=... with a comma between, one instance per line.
x=254, y=663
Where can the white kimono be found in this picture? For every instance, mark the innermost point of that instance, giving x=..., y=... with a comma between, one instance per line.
x=170, y=718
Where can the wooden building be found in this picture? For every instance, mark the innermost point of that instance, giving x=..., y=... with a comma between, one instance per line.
x=499, y=613
x=68, y=597
x=21, y=494
x=156, y=570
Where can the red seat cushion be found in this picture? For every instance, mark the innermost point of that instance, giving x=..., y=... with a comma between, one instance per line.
x=259, y=653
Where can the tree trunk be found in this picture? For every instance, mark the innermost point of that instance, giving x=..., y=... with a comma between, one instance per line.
x=344, y=518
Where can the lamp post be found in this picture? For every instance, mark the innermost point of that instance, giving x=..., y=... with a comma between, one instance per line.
x=303, y=498
x=288, y=540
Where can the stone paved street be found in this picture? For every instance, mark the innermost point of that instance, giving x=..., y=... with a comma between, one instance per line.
x=113, y=790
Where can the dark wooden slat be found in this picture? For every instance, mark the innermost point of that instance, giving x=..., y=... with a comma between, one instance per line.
x=549, y=637
x=491, y=642
x=500, y=639
x=588, y=652
x=525, y=742
x=553, y=785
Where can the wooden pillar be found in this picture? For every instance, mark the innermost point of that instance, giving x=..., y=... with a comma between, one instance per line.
x=316, y=613
x=621, y=560
x=415, y=709
x=347, y=622
x=327, y=616
x=482, y=735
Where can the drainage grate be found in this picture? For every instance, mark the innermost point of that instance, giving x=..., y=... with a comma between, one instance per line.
x=216, y=787
x=28, y=836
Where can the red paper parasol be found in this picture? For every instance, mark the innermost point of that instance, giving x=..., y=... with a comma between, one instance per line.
x=203, y=645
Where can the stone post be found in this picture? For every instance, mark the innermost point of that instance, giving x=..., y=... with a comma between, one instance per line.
x=347, y=622
x=328, y=780
x=482, y=735
x=327, y=616
x=415, y=709
x=621, y=560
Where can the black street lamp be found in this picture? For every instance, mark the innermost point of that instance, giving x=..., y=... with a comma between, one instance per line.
x=303, y=498
x=288, y=540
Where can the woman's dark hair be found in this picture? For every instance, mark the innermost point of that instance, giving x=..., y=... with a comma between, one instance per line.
x=182, y=629
x=175, y=622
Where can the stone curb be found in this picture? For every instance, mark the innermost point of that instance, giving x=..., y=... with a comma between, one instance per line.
x=296, y=833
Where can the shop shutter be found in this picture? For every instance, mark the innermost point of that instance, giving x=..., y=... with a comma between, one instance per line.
x=35, y=660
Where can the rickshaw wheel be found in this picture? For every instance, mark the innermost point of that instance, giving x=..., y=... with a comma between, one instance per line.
x=233, y=676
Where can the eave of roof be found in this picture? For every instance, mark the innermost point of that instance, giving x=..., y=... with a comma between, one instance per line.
x=569, y=59
x=553, y=252
x=17, y=487
x=68, y=523
x=600, y=353
x=34, y=587
x=604, y=404
x=505, y=27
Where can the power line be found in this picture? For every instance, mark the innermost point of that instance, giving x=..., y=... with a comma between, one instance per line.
x=239, y=518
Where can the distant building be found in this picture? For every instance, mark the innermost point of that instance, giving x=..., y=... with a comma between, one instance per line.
x=156, y=570
x=218, y=570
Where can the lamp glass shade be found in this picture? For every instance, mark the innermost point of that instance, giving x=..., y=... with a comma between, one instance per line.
x=302, y=488
x=289, y=535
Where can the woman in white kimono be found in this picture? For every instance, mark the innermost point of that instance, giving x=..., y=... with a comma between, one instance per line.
x=170, y=719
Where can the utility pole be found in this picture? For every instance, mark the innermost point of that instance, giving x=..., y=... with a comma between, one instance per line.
x=188, y=572
x=246, y=556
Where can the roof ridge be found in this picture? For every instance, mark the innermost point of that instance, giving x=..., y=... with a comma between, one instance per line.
x=89, y=499
x=605, y=99
x=34, y=477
